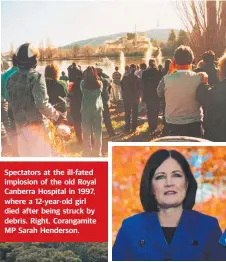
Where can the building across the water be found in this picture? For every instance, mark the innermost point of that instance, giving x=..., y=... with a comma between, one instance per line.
x=139, y=41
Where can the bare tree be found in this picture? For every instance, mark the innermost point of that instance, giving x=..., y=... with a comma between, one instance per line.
x=205, y=21
x=87, y=50
x=11, y=52
x=41, y=50
x=75, y=50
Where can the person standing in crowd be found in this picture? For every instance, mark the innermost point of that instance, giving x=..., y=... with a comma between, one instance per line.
x=75, y=98
x=91, y=111
x=6, y=111
x=137, y=69
x=105, y=98
x=131, y=93
x=150, y=79
x=162, y=99
x=64, y=77
x=126, y=70
x=30, y=103
x=143, y=67
x=160, y=68
x=166, y=67
x=74, y=73
x=56, y=89
x=213, y=99
x=116, y=77
x=208, y=66
x=182, y=112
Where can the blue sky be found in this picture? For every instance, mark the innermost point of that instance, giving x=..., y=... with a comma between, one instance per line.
x=63, y=22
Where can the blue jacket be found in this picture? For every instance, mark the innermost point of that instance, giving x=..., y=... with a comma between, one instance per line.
x=196, y=238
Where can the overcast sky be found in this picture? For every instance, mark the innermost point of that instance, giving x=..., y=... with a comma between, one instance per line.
x=64, y=22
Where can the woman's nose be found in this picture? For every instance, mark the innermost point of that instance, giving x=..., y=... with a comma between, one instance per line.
x=168, y=181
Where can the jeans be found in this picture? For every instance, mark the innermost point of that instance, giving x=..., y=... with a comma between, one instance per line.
x=92, y=124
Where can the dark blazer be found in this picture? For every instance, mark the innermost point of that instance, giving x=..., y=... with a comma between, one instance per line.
x=196, y=238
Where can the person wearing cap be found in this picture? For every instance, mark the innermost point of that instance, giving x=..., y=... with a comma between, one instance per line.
x=30, y=105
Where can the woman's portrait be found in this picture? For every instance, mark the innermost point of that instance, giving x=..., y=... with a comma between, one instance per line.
x=172, y=221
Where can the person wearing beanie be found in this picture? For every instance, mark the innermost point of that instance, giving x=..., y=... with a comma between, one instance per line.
x=30, y=105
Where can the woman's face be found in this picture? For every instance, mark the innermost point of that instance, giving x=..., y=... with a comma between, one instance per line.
x=169, y=184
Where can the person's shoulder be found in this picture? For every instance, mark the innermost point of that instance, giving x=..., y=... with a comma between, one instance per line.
x=135, y=219
x=203, y=218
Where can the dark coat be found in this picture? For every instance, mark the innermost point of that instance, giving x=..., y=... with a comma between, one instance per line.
x=151, y=78
x=196, y=238
x=56, y=88
x=74, y=74
x=75, y=102
x=213, y=101
x=212, y=73
x=131, y=88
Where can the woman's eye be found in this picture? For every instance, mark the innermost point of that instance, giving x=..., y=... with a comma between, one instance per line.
x=159, y=177
x=177, y=175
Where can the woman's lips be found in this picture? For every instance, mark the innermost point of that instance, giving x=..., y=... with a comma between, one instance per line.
x=170, y=193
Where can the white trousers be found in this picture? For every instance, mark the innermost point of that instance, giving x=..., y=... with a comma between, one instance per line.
x=116, y=92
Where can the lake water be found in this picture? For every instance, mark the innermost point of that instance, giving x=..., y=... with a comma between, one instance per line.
x=63, y=65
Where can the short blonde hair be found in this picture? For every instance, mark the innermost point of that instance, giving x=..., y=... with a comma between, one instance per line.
x=222, y=66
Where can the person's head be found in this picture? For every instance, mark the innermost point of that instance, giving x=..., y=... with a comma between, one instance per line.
x=26, y=56
x=116, y=68
x=91, y=78
x=167, y=182
x=126, y=68
x=138, y=67
x=63, y=73
x=133, y=68
x=183, y=56
x=74, y=64
x=222, y=66
x=52, y=71
x=143, y=66
x=152, y=63
x=208, y=57
x=167, y=65
x=160, y=67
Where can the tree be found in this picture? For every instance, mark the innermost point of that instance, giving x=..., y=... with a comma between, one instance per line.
x=87, y=50
x=75, y=50
x=205, y=21
x=172, y=41
x=172, y=36
x=130, y=36
x=182, y=38
x=101, y=50
x=11, y=50
x=41, y=50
